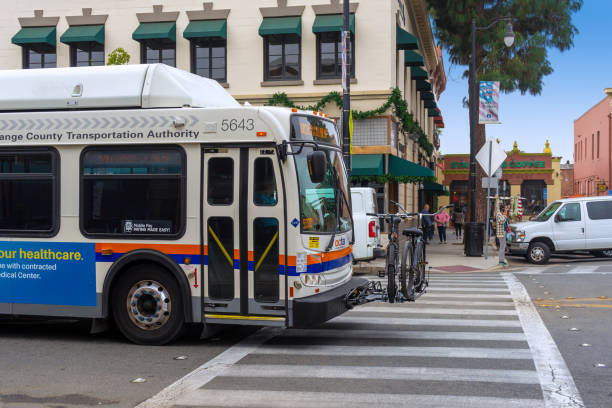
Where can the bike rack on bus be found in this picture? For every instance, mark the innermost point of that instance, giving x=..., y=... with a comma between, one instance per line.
x=373, y=291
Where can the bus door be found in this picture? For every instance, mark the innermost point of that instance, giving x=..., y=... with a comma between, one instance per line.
x=244, y=236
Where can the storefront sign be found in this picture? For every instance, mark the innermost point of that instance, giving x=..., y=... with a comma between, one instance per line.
x=512, y=164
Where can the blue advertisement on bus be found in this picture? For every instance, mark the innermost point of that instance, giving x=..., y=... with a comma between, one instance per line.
x=48, y=273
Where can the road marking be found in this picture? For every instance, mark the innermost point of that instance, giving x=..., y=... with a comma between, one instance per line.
x=395, y=351
x=383, y=373
x=426, y=322
x=419, y=310
x=438, y=289
x=209, y=370
x=434, y=282
x=429, y=294
x=422, y=301
x=302, y=399
x=557, y=383
x=404, y=335
x=583, y=269
x=580, y=305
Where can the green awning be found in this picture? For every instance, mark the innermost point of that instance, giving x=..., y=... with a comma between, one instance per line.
x=401, y=167
x=405, y=40
x=422, y=85
x=149, y=31
x=331, y=22
x=430, y=104
x=412, y=59
x=427, y=96
x=35, y=35
x=206, y=28
x=90, y=33
x=281, y=25
x=367, y=165
x=434, y=187
x=418, y=73
x=432, y=112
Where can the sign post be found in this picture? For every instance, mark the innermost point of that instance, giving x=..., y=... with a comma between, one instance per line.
x=490, y=158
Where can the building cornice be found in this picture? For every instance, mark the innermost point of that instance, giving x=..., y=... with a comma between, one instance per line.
x=311, y=96
x=38, y=20
x=425, y=33
x=282, y=10
x=87, y=19
x=335, y=7
x=157, y=16
x=208, y=13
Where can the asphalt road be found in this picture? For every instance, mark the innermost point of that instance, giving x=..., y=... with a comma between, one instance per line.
x=462, y=343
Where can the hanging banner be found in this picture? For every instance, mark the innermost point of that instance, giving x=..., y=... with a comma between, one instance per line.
x=488, y=109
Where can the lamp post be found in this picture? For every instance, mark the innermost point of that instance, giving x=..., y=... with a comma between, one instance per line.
x=346, y=87
x=472, y=231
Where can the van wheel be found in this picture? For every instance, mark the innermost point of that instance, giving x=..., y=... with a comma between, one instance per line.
x=147, y=305
x=538, y=253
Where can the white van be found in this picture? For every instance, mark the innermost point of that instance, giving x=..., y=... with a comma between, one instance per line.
x=367, y=229
x=574, y=224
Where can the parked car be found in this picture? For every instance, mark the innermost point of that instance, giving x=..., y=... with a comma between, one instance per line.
x=565, y=226
x=366, y=227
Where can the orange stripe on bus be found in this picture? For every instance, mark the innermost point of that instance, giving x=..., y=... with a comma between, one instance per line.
x=329, y=256
x=165, y=248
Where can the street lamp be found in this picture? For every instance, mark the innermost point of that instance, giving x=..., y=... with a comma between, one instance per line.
x=473, y=232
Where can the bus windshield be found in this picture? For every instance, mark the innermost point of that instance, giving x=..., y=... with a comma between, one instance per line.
x=324, y=206
x=547, y=212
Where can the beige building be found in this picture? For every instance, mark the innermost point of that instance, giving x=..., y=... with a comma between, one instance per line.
x=289, y=50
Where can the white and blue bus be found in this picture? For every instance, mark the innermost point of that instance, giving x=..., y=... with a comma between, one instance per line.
x=148, y=196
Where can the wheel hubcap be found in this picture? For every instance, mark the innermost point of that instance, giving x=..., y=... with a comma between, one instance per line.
x=148, y=305
x=537, y=254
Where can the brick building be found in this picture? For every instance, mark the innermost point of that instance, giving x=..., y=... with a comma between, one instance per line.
x=567, y=179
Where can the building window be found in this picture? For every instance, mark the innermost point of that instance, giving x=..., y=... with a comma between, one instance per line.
x=282, y=57
x=158, y=51
x=209, y=58
x=329, y=55
x=593, y=146
x=598, y=144
x=86, y=54
x=39, y=56
x=29, y=192
x=133, y=192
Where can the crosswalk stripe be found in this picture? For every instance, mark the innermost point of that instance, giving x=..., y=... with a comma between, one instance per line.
x=394, y=351
x=302, y=399
x=462, y=289
x=427, y=322
x=557, y=384
x=383, y=373
x=423, y=301
x=468, y=284
x=419, y=310
x=583, y=269
x=429, y=294
x=404, y=334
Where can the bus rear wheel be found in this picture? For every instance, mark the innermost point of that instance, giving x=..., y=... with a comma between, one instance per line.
x=147, y=305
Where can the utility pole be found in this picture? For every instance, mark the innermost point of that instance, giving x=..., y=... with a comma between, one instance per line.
x=346, y=88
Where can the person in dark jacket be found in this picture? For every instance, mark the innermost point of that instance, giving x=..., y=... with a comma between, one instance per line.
x=427, y=224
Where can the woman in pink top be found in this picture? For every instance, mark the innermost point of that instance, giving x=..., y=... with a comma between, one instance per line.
x=441, y=220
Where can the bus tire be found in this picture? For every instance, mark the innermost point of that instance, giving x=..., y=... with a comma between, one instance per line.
x=147, y=305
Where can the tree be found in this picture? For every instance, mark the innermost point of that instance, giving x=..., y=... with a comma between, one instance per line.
x=118, y=56
x=538, y=25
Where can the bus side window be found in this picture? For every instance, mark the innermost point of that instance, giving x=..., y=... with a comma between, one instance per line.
x=264, y=191
x=220, y=181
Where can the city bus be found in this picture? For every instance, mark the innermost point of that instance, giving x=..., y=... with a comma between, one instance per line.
x=149, y=197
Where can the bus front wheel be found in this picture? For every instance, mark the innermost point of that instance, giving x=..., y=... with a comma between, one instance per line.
x=147, y=305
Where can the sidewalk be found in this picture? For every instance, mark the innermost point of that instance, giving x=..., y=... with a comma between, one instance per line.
x=447, y=257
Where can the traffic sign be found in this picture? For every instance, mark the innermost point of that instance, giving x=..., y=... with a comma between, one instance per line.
x=492, y=150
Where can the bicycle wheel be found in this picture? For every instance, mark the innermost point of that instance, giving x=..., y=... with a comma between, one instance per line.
x=391, y=269
x=406, y=284
x=417, y=268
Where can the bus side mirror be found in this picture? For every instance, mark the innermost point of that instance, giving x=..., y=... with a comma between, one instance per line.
x=317, y=166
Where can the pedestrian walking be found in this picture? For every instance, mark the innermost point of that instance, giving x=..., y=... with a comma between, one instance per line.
x=441, y=220
x=500, y=232
x=427, y=224
x=459, y=220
